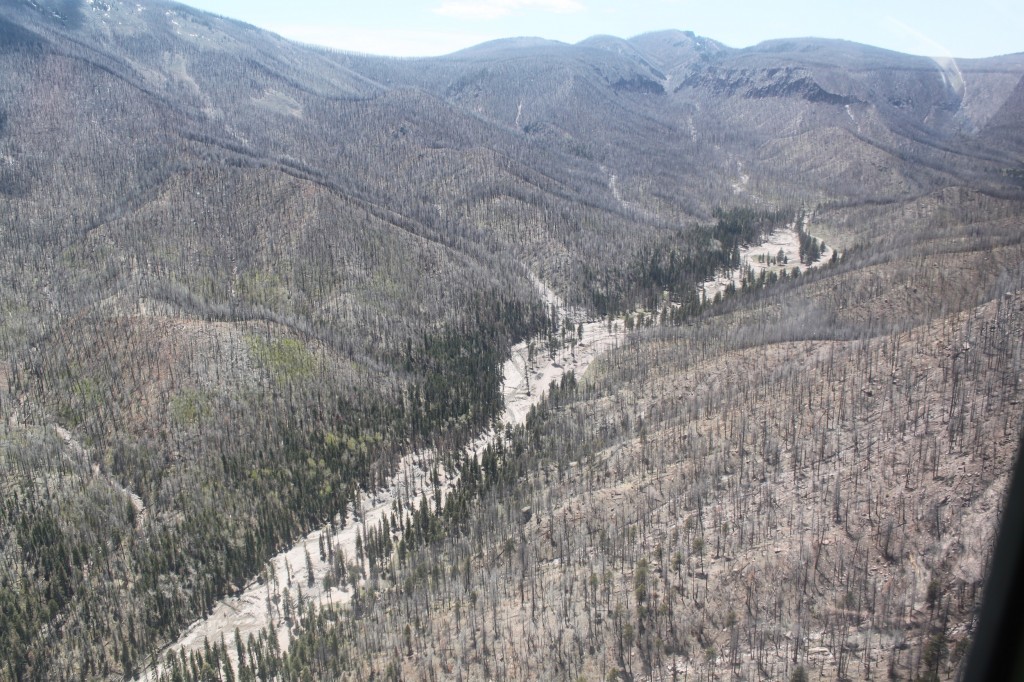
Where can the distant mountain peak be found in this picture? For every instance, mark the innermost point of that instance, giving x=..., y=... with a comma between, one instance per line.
x=509, y=45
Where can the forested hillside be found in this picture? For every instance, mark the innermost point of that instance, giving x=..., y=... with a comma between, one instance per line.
x=242, y=278
x=803, y=483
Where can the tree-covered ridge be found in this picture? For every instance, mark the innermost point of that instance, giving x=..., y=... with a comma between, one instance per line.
x=250, y=471
x=675, y=513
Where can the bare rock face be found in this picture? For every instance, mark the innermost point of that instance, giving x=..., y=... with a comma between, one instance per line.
x=775, y=82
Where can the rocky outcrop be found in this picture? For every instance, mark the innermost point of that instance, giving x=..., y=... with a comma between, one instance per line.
x=762, y=83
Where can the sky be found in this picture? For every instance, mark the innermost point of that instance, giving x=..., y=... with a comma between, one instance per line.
x=934, y=28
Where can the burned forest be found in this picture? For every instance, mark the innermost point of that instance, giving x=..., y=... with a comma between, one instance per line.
x=646, y=359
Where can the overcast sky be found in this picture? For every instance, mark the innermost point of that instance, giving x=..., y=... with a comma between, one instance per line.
x=981, y=28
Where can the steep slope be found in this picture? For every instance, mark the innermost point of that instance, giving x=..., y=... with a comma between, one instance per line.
x=804, y=482
x=680, y=120
x=235, y=335
x=897, y=119
x=1005, y=125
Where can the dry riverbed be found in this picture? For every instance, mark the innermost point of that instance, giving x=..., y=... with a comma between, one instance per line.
x=764, y=258
x=299, y=572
